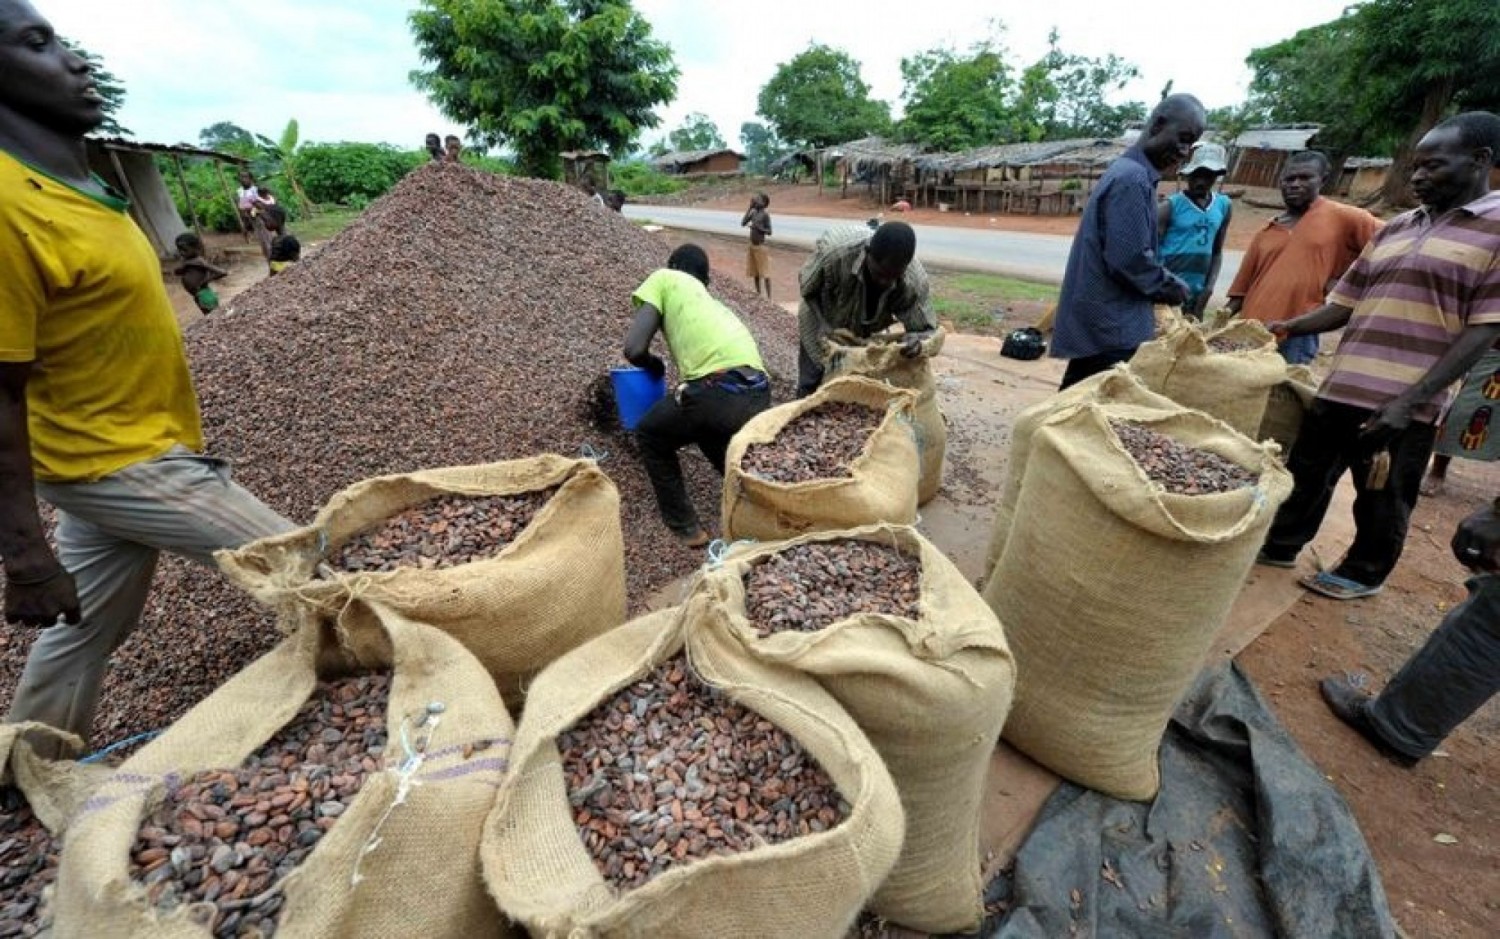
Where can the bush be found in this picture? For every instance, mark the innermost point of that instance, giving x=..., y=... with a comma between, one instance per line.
x=639, y=178
x=215, y=207
x=342, y=172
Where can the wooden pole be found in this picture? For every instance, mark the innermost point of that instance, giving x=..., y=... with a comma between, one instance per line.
x=187, y=195
x=140, y=210
x=233, y=203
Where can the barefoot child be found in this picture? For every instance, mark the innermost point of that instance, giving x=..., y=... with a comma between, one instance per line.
x=196, y=273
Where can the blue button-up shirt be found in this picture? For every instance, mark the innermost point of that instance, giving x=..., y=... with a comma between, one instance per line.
x=1114, y=275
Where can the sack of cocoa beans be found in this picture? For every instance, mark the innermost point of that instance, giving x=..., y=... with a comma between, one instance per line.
x=1119, y=385
x=1286, y=406
x=897, y=635
x=316, y=793
x=520, y=561
x=38, y=796
x=661, y=792
x=1228, y=373
x=1169, y=319
x=1133, y=534
x=880, y=358
x=842, y=457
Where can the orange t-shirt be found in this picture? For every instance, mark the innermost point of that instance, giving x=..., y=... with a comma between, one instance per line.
x=1286, y=271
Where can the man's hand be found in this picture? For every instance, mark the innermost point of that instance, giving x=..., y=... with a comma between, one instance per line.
x=913, y=345
x=654, y=367
x=39, y=602
x=1386, y=424
x=1476, y=543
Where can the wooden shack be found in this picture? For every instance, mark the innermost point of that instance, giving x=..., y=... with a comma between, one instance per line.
x=579, y=165
x=723, y=162
x=135, y=170
x=1049, y=177
x=1257, y=156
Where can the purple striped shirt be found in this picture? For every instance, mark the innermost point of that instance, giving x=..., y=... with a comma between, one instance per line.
x=1420, y=281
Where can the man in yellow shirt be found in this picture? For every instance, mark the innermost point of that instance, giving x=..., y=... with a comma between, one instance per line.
x=724, y=382
x=97, y=410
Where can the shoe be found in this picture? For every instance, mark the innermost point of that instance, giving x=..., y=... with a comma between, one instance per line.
x=1271, y=560
x=1352, y=706
x=1335, y=587
x=698, y=539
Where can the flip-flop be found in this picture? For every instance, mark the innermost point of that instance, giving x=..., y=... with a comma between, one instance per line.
x=1335, y=587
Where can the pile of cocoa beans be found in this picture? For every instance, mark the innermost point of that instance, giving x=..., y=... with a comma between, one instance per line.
x=1178, y=468
x=1223, y=344
x=460, y=320
x=670, y=770
x=227, y=838
x=28, y=865
x=445, y=531
x=820, y=444
x=812, y=586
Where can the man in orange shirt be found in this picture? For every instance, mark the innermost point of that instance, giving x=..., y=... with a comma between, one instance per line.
x=1297, y=258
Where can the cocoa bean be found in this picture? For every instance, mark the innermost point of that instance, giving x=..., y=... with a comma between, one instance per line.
x=1177, y=467
x=689, y=747
x=28, y=865
x=442, y=532
x=812, y=586
x=1227, y=344
x=239, y=873
x=820, y=444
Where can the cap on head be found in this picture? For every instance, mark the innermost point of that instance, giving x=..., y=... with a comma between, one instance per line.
x=1206, y=156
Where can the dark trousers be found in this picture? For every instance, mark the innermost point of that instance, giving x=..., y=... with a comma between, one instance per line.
x=809, y=373
x=704, y=414
x=1091, y=365
x=1328, y=446
x=1446, y=680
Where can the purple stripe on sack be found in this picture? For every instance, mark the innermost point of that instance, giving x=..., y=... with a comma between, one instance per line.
x=461, y=747
x=494, y=765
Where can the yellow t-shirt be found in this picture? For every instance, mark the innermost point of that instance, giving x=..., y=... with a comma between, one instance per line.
x=82, y=299
x=704, y=335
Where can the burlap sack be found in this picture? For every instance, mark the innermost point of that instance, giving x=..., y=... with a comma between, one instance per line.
x=1232, y=386
x=881, y=485
x=403, y=859
x=538, y=869
x=880, y=358
x=559, y=584
x=54, y=788
x=1169, y=319
x=1119, y=385
x=931, y=693
x=1112, y=590
x=1286, y=406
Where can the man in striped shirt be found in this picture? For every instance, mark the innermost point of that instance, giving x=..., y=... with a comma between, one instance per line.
x=862, y=283
x=1418, y=308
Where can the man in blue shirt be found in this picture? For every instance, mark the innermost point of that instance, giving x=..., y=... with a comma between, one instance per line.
x=1114, y=275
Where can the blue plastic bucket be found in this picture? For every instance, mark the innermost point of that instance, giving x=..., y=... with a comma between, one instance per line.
x=635, y=393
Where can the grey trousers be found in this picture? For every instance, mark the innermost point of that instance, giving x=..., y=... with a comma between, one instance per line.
x=1448, y=679
x=109, y=534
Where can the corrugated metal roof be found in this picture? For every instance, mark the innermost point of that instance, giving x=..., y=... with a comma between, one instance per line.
x=1360, y=163
x=1282, y=137
x=136, y=146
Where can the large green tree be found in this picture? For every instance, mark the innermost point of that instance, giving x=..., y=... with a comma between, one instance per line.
x=957, y=100
x=762, y=146
x=1065, y=95
x=696, y=132
x=543, y=76
x=1381, y=75
x=227, y=137
x=111, y=89
x=818, y=99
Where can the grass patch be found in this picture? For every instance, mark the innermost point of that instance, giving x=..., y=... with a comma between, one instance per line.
x=978, y=302
x=329, y=221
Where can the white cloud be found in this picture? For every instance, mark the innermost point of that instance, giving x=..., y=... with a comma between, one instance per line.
x=340, y=66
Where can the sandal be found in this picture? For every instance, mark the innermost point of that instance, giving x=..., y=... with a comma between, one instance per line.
x=1335, y=587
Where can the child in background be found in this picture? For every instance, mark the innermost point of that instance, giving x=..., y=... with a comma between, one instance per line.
x=286, y=250
x=196, y=273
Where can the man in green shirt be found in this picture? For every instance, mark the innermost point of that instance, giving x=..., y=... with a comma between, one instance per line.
x=724, y=382
x=862, y=283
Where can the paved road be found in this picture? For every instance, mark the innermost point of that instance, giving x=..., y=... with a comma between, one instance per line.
x=1014, y=254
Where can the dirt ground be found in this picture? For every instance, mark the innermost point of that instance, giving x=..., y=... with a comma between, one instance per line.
x=1436, y=889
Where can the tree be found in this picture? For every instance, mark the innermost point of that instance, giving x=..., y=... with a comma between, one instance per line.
x=279, y=160
x=543, y=76
x=227, y=137
x=762, y=146
x=111, y=88
x=1063, y=95
x=956, y=101
x=697, y=132
x=1381, y=75
x=819, y=99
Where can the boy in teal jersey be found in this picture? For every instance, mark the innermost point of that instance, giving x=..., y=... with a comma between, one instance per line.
x=1193, y=224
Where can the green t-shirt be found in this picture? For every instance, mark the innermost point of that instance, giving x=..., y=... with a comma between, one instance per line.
x=704, y=335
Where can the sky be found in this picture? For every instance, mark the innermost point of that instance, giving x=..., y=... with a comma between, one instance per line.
x=340, y=66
